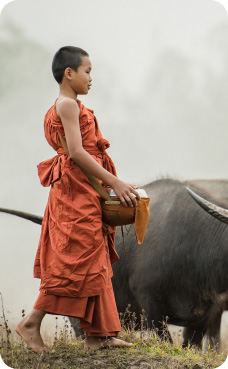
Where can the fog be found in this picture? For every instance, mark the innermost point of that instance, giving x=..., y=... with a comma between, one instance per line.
x=160, y=87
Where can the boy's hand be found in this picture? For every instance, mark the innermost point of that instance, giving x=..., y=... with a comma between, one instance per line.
x=126, y=192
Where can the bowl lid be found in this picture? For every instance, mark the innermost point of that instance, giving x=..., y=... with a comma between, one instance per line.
x=141, y=191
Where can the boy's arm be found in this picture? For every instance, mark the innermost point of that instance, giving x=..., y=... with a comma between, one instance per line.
x=68, y=110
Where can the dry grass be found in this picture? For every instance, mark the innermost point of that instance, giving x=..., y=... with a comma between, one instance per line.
x=149, y=351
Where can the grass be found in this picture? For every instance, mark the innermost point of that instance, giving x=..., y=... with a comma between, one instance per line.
x=148, y=352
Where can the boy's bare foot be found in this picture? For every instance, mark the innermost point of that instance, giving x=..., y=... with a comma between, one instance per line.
x=30, y=333
x=95, y=343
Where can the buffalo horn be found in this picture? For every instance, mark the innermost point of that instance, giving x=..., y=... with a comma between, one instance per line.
x=21, y=214
x=216, y=211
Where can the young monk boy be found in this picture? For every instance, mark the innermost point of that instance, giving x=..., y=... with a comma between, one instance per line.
x=74, y=255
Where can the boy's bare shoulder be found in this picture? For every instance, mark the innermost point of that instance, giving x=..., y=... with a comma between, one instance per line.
x=66, y=105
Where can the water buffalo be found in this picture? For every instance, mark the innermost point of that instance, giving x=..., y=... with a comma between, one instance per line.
x=179, y=273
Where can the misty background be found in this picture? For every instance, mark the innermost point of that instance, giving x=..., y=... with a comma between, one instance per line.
x=160, y=88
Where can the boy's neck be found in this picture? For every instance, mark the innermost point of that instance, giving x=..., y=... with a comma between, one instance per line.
x=66, y=91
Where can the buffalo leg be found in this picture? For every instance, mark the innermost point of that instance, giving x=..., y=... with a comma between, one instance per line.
x=76, y=327
x=158, y=323
x=213, y=331
x=194, y=335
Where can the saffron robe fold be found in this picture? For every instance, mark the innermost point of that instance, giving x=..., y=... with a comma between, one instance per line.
x=74, y=254
x=98, y=314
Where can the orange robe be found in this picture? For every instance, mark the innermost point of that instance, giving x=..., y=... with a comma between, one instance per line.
x=74, y=256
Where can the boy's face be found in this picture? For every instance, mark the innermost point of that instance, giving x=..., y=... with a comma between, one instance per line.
x=81, y=80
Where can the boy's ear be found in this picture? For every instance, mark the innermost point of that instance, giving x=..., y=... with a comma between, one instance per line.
x=68, y=73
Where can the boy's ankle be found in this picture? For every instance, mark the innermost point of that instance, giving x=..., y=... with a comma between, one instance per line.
x=28, y=324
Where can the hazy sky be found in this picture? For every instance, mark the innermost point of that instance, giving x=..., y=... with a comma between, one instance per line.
x=99, y=16
x=121, y=33
x=137, y=48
